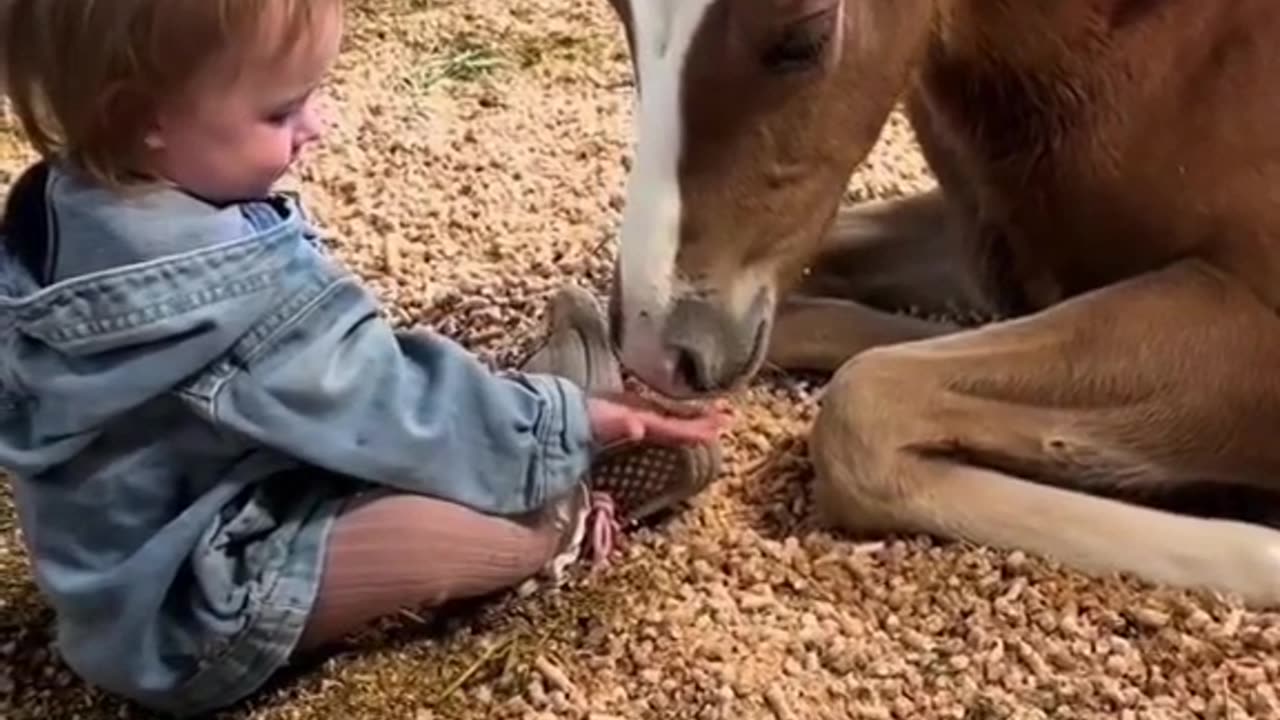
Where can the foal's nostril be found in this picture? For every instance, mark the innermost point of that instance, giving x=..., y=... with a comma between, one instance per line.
x=691, y=370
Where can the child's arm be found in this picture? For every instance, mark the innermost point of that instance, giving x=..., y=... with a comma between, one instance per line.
x=412, y=410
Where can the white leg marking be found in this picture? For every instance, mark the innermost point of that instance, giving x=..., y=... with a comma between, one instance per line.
x=650, y=234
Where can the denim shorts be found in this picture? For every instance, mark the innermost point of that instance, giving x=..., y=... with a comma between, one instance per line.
x=253, y=581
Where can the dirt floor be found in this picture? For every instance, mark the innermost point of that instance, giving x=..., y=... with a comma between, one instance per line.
x=476, y=164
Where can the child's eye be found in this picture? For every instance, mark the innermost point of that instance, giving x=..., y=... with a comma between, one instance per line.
x=287, y=111
x=280, y=117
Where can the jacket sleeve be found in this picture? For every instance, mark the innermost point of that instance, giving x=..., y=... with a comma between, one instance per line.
x=337, y=387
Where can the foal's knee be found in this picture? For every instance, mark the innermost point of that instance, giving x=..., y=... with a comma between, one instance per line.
x=862, y=422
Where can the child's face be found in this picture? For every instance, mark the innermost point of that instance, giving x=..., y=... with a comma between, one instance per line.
x=233, y=140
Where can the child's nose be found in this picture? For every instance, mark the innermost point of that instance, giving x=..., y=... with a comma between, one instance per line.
x=314, y=120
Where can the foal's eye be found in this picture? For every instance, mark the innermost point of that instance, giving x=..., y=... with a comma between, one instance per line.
x=801, y=45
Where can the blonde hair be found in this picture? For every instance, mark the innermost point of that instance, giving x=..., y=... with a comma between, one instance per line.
x=86, y=77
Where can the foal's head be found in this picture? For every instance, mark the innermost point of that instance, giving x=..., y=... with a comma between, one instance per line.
x=751, y=116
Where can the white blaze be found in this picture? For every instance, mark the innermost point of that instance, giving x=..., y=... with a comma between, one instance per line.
x=663, y=32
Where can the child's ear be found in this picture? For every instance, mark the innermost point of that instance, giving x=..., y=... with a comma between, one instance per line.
x=156, y=129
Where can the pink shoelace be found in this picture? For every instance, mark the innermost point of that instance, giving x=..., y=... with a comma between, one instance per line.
x=603, y=526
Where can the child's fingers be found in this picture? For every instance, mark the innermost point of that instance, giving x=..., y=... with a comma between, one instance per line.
x=619, y=417
x=654, y=405
x=702, y=429
x=635, y=428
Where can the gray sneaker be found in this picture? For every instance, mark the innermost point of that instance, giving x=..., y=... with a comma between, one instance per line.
x=630, y=480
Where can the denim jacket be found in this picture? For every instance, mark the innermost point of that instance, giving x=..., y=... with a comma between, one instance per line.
x=187, y=393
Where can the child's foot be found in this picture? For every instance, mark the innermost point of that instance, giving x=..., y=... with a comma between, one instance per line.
x=632, y=480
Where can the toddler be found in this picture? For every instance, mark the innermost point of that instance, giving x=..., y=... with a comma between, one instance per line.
x=222, y=455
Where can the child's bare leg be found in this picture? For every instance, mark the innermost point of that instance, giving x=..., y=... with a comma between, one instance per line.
x=397, y=551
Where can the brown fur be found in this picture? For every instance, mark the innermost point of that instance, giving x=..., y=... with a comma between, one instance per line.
x=1110, y=179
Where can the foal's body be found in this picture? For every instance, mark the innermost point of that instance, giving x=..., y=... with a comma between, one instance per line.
x=1110, y=179
x=1097, y=153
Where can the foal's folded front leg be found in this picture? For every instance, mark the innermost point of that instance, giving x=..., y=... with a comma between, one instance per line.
x=914, y=253
x=882, y=259
x=820, y=334
x=1005, y=435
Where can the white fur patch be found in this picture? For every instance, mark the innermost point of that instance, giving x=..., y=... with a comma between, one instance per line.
x=663, y=32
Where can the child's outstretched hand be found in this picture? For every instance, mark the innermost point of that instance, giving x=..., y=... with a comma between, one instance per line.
x=621, y=417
